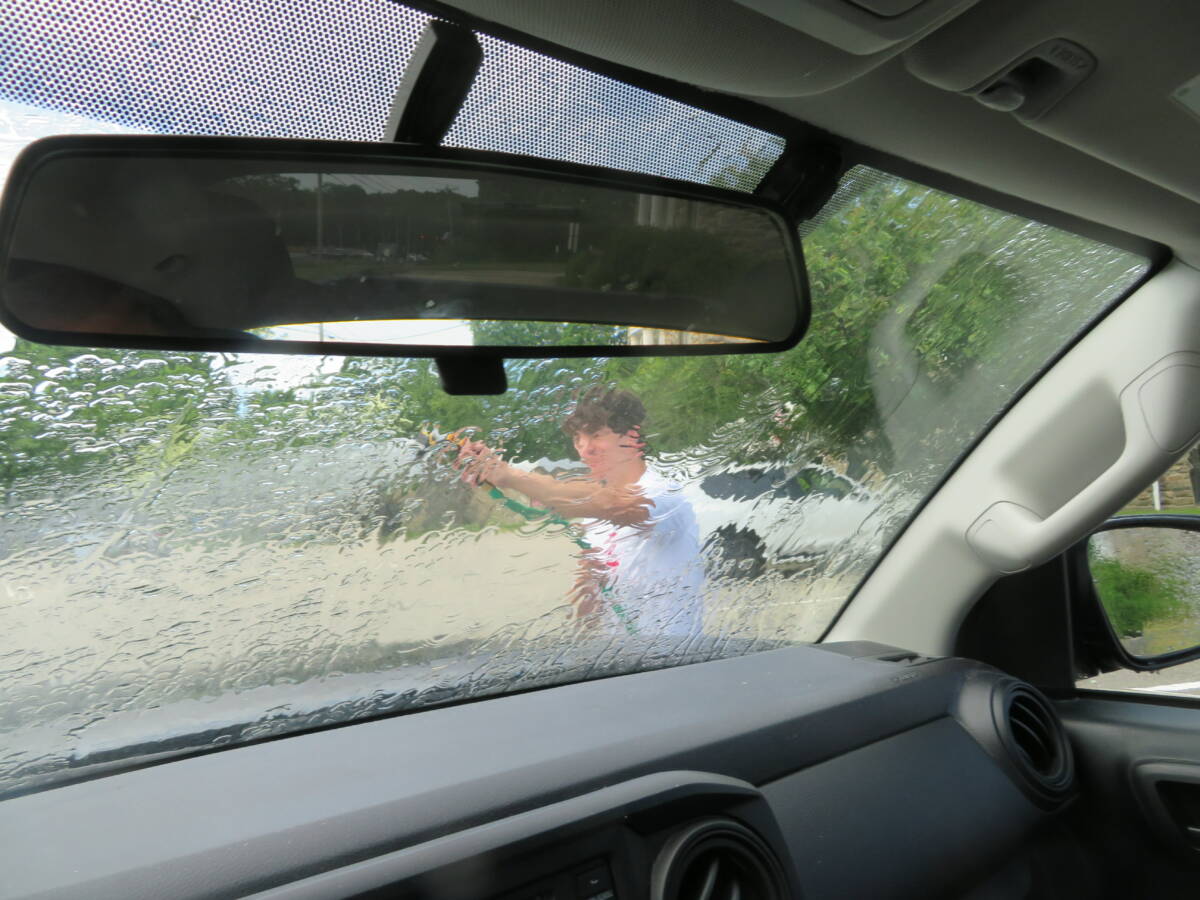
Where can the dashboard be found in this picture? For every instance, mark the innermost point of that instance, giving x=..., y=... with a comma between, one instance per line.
x=836, y=770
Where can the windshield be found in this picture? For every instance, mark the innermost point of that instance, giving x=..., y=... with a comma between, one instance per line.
x=205, y=549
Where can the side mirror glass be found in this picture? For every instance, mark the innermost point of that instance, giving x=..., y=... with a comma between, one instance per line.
x=1146, y=573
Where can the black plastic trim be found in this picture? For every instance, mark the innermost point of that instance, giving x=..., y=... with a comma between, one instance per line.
x=985, y=706
x=1137, y=698
x=1097, y=648
x=1127, y=743
x=1149, y=776
x=478, y=375
x=1022, y=626
x=1181, y=521
x=804, y=177
x=756, y=862
x=450, y=59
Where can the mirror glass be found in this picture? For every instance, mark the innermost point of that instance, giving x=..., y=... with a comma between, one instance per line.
x=1148, y=581
x=404, y=252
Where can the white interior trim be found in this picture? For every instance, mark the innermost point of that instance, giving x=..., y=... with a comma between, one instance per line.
x=1090, y=429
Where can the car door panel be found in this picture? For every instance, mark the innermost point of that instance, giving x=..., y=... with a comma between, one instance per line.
x=1139, y=765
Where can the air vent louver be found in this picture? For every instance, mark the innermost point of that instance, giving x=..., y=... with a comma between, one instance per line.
x=1019, y=727
x=1034, y=737
x=717, y=859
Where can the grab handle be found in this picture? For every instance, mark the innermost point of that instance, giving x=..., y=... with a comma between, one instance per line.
x=1160, y=410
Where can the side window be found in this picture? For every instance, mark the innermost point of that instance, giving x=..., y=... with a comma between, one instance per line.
x=1147, y=576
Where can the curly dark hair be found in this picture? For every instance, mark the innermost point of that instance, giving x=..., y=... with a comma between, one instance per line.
x=605, y=407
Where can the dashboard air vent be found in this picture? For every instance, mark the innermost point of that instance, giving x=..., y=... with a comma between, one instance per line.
x=1034, y=737
x=717, y=859
x=1015, y=723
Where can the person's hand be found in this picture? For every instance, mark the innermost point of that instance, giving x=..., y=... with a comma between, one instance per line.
x=633, y=440
x=480, y=464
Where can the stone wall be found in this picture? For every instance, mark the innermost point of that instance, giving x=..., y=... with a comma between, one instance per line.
x=1175, y=487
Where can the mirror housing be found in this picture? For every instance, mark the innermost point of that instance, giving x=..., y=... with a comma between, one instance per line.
x=1137, y=586
x=166, y=242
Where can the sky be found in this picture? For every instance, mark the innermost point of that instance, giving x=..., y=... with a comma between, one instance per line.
x=381, y=184
x=330, y=69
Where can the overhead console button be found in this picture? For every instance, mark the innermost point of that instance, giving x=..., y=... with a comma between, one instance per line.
x=1033, y=83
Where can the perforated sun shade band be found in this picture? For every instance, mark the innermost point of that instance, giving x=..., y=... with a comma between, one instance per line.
x=300, y=68
x=329, y=69
x=524, y=102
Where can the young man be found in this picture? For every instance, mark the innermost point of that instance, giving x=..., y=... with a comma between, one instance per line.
x=642, y=573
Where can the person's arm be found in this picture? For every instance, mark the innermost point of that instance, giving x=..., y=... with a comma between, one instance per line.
x=583, y=499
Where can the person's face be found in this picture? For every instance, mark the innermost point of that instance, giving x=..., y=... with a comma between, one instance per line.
x=604, y=449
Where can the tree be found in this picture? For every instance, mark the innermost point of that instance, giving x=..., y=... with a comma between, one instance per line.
x=64, y=409
x=890, y=248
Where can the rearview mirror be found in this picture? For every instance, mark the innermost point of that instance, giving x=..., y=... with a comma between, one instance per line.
x=383, y=249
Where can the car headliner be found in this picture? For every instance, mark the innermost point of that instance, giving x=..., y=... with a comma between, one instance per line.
x=1118, y=150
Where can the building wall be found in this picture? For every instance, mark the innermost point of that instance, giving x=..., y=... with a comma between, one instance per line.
x=1175, y=487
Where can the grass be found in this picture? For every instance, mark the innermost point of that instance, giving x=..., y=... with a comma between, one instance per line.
x=1134, y=597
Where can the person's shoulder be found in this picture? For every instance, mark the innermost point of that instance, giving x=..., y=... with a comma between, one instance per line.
x=661, y=489
x=654, y=482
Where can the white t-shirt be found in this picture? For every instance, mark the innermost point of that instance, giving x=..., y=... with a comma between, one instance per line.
x=655, y=576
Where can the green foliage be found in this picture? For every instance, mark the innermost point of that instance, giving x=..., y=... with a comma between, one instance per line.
x=891, y=249
x=497, y=333
x=1134, y=597
x=64, y=408
x=525, y=421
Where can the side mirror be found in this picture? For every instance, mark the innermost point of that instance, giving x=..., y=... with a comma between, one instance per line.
x=1145, y=576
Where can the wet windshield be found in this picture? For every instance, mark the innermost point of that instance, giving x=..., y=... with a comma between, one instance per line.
x=204, y=549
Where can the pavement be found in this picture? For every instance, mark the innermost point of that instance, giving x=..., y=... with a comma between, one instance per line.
x=1180, y=680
